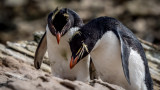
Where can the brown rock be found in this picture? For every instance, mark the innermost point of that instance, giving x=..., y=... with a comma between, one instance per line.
x=10, y=62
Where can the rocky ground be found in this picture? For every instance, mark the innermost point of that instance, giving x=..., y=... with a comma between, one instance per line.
x=18, y=73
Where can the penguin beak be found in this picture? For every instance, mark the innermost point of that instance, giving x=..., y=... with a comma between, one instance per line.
x=73, y=61
x=58, y=36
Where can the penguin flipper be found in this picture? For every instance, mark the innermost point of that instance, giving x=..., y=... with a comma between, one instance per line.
x=41, y=50
x=125, y=51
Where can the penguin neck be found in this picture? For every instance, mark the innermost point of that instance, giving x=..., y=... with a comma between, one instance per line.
x=70, y=33
x=94, y=38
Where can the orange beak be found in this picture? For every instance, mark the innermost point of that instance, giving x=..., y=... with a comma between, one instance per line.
x=58, y=36
x=73, y=62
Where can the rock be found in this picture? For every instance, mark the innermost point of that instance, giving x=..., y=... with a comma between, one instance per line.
x=143, y=8
x=28, y=48
x=106, y=86
x=38, y=36
x=27, y=78
x=15, y=3
x=31, y=48
x=16, y=68
x=10, y=62
x=98, y=86
x=22, y=57
x=13, y=75
x=20, y=49
x=22, y=85
x=44, y=79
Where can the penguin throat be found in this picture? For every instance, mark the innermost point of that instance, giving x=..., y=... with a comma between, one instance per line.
x=67, y=36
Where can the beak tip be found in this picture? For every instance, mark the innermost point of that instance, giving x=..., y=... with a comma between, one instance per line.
x=71, y=64
x=58, y=36
x=58, y=42
x=71, y=67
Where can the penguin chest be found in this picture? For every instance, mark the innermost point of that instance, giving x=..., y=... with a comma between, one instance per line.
x=60, y=55
x=106, y=57
x=55, y=51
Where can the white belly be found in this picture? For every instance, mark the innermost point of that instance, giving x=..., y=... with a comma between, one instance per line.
x=107, y=60
x=106, y=57
x=137, y=71
x=60, y=56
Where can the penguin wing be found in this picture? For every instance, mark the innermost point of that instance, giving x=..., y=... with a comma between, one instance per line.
x=41, y=50
x=124, y=38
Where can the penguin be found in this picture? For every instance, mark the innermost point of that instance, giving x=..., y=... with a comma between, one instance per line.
x=117, y=54
x=62, y=23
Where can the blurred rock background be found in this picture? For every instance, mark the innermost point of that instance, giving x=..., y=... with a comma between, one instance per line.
x=20, y=18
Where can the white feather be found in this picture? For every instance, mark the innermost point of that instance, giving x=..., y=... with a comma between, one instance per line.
x=106, y=57
x=137, y=71
x=60, y=56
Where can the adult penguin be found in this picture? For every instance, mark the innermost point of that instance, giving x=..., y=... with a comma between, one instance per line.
x=117, y=54
x=62, y=23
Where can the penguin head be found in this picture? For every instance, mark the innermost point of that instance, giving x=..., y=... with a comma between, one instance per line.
x=59, y=22
x=79, y=48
